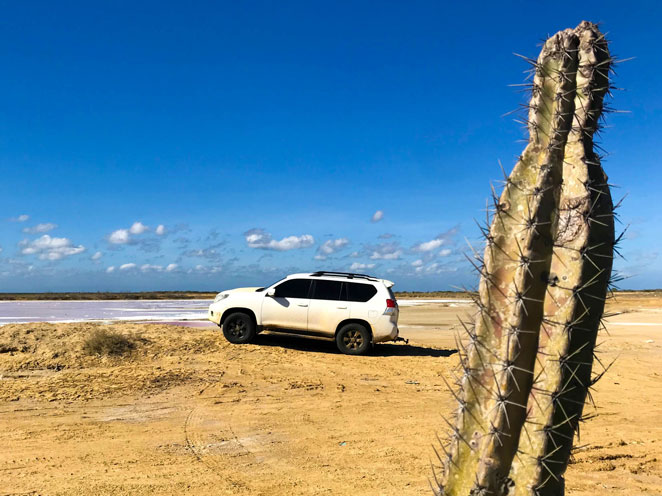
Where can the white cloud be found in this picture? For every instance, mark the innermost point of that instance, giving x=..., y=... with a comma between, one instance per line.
x=149, y=267
x=40, y=228
x=119, y=237
x=160, y=230
x=417, y=263
x=206, y=269
x=445, y=252
x=429, y=245
x=333, y=245
x=434, y=268
x=127, y=266
x=429, y=269
x=125, y=236
x=385, y=251
x=258, y=238
x=138, y=228
x=210, y=253
x=377, y=216
x=96, y=256
x=445, y=238
x=330, y=246
x=48, y=248
x=386, y=256
x=171, y=267
x=110, y=269
x=20, y=218
x=361, y=266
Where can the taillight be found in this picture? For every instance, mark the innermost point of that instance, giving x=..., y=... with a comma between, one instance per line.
x=390, y=303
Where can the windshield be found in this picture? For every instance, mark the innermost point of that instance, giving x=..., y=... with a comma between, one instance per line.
x=273, y=284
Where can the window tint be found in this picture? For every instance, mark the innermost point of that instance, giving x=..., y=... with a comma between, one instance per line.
x=293, y=288
x=327, y=290
x=360, y=292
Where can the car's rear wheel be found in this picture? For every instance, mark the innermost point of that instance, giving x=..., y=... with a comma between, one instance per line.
x=239, y=328
x=353, y=339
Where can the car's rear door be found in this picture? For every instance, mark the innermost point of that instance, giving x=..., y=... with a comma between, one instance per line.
x=328, y=307
x=288, y=308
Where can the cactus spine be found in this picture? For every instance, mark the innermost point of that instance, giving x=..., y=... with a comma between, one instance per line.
x=544, y=278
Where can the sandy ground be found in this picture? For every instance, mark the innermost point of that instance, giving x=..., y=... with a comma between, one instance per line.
x=188, y=413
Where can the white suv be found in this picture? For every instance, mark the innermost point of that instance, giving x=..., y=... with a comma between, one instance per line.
x=354, y=309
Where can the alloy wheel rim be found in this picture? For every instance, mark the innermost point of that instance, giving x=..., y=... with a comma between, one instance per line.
x=353, y=339
x=237, y=328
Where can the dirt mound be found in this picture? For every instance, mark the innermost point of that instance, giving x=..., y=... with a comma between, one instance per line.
x=63, y=346
x=54, y=361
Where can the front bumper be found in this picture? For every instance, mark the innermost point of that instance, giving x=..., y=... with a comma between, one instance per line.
x=214, y=316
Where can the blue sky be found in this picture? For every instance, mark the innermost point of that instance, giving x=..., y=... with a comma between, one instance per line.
x=205, y=145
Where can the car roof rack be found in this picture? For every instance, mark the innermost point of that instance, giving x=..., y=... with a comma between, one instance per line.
x=348, y=275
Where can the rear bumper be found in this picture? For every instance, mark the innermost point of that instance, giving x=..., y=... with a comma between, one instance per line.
x=388, y=334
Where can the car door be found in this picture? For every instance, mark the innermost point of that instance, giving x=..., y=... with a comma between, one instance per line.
x=328, y=307
x=288, y=307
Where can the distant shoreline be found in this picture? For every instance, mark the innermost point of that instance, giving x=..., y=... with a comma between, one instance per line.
x=181, y=295
x=205, y=295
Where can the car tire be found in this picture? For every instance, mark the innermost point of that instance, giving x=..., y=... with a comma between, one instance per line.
x=353, y=339
x=239, y=328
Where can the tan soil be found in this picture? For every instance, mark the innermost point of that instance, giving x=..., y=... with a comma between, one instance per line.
x=188, y=413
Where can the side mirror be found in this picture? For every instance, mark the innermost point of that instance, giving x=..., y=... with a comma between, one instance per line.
x=271, y=292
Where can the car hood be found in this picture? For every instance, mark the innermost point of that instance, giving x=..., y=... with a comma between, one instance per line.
x=242, y=290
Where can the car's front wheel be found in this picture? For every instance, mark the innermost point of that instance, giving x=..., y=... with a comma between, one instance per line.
x=239, y=328
x=353, y=339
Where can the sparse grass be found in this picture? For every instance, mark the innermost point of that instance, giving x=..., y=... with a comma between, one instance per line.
x=103, y=342
x=5, y=348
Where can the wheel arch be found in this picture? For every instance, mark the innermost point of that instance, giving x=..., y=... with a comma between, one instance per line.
x=232, y=310
x=364, y=323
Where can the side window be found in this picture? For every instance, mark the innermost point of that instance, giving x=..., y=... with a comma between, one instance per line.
x=360, y=292
x=293, y=288
x=327, y=290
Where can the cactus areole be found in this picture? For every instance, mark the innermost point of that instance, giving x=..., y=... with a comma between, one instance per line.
x=545, y=273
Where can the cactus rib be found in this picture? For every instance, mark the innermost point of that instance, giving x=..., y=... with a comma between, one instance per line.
x=581, y=265
x=546, y=267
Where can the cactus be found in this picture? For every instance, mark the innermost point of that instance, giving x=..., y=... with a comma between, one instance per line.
x=545, y=273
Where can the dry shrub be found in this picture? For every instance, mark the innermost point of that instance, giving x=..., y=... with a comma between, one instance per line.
x=103, y=342
x=5, y=348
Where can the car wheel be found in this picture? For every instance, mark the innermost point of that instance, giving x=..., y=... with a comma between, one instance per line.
x=353, y=339
x=239, y=328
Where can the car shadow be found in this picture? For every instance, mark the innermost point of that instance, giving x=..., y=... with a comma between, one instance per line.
x=327, y=346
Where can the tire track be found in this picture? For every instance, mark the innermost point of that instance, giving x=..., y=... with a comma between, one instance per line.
x=212, y=454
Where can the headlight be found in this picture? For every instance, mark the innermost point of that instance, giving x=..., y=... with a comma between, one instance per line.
x=221, y=296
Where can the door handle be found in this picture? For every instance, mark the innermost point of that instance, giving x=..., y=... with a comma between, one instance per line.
x=303, y=305
x=341, y=308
